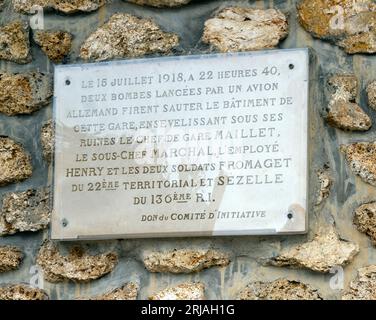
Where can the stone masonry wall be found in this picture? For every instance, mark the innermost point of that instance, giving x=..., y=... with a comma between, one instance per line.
x=340, y=245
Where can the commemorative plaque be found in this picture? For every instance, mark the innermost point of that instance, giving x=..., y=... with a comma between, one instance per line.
x=182, y=146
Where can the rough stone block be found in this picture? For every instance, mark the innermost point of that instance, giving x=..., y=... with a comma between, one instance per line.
x=184, y=291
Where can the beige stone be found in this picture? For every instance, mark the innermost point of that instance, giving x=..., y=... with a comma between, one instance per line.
x=24, y=93
x=14, y=42
x=55, y=44
x=245, y=29
x=15, y=163
x=365, y=220
x=160, y=3
x=342, y=111
x=65, y=6
x=350, y=24
x=371, y=93
x=185, y=260
x=361, y=158
x=280, y=289
x=25, y=211
x=364, y=287
x=128, y=291
x=47, y=138
x=325, y=183
x=77, y=266
x=322, y=253
x=126, y=36
x=10, y=258
x=184, y=291
x=21, y=292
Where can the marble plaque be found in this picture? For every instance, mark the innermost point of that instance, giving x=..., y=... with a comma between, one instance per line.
x=205, y=145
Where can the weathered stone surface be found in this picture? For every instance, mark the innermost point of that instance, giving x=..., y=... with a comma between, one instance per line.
x=326, y=182
x=347, y=23
x=21, y=292
x=364, y=287
x=371, y=92
x=125, y=35
x=25, y=211
x=160, y=3
x=77, y=266
x=128, y=291
x=342, y=111
x=325, y=251
x=14, y=42
x=365, y=220
x=65, y=6
x=10, y=258
x=55, y=44
x=361, y=158
x=47, y=138
x=24, y=93
x=280, y=289
x=245, y=29
x=15, y=164
x=184, y=261
x=184, y=291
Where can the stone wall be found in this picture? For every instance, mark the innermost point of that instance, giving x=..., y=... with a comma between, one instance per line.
x=342, y=210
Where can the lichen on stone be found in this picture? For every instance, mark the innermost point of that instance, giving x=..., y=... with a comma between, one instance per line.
x=25, y=211
x=21, y=292
x=342, y=111
x=47, y=138
x=361, y=158
x=14, y=42
x=365, y=220
x=184, y=291
x=65, y=6
x=10, y=258
x=280, y=289
x=15, y=163
x=160, y=3
x=325, y=183
x=364, y=286
x=371, y=93
x=321, y=254
x=24, y=93
x=245, y=29
x=55, y=44
x=126, y=36
x=76, y=266
x=128, y=291
x=350, y=24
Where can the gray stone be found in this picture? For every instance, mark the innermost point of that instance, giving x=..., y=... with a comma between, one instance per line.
x=342, y=111
x=325, y=183
x=14, y=42
x=160, y=3
x=347, y=23
x=77, y=266
x=245, y=29
x=24, y=93
x=184, y=291
x=126, y=36
x=185, y=260
x=65, y=6
x=10, y=258
x=15, y=163
x=47, y=138
x=25, y=211
x=280, y=289
x=361, y=158
x=322, y=253
x=364, y=287
x=21, y=292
